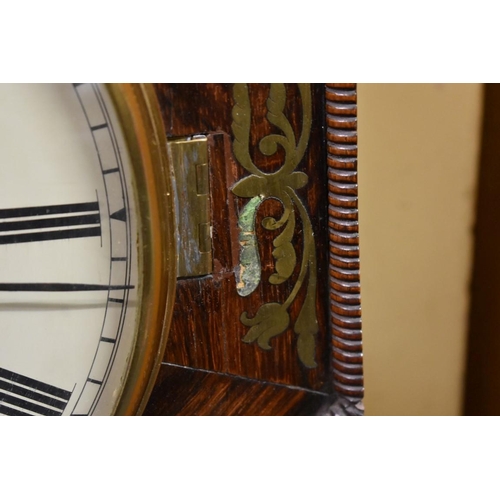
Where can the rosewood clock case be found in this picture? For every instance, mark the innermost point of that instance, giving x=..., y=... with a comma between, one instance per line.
x=274, y=328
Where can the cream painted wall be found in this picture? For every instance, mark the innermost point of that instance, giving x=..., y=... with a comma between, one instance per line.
x=418, y=161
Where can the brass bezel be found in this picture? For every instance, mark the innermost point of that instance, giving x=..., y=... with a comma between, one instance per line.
x=140, y=116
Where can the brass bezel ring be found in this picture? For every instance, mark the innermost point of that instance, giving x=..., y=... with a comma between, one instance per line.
x=140, y=116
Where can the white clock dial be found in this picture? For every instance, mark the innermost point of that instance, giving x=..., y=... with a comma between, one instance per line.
x=68, y=251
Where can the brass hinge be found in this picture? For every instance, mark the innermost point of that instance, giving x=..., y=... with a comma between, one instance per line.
x=189, y=160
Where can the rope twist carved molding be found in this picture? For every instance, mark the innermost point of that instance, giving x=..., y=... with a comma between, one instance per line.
x=345, y=302
x=273, y=319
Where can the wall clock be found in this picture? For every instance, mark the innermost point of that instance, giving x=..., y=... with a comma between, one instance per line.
x=86, y=248
x=221, y=215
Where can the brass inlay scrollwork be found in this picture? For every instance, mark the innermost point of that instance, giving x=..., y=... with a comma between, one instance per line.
x=273, y=318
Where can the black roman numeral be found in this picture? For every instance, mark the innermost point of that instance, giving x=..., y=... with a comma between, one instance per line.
x=20, y=395
x=25, y=225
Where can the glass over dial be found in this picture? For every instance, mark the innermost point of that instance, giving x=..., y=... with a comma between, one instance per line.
x=69, y=264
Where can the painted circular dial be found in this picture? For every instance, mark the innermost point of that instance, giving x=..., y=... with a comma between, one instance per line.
x=69, y=263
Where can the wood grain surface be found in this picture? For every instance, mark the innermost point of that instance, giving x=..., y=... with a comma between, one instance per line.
x=185, y=391
x=207, y=368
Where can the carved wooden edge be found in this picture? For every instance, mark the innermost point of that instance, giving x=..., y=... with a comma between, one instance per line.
x=344, y=281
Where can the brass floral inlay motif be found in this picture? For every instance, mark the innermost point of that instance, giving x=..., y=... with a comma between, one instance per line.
x=273, y=318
